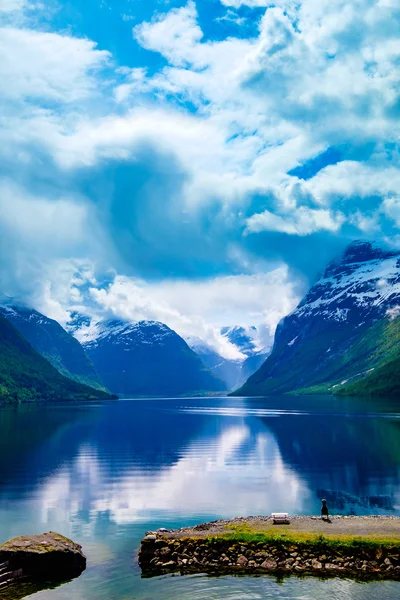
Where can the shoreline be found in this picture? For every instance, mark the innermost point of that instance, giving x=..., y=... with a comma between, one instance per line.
x=361, y=548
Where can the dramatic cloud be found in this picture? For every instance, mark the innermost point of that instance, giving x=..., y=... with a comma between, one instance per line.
x=191, y=154
x=197, y=308
x=201, y=308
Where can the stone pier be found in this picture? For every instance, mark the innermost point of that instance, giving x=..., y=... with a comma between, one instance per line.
x=239, y=546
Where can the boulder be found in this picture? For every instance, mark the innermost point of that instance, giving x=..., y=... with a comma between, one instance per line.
x=269, y=564
x=49, y=555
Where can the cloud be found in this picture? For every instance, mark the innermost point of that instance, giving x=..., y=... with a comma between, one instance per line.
x=188, y=166
x=38, y=220
x=302, y=222
x=9, y=6
x=391, y=208
x=36, y=234
x=302, y=85
x=198, y=308
x=250, y=3
x=231, y=17
x=44, y=65
x=175, y=34
x=134, y=81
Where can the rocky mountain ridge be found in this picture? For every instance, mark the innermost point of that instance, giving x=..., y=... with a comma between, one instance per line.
x=313, y=345
x=235, y=371
x=146, y=358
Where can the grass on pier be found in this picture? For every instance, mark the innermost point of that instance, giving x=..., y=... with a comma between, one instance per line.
x=248, y=534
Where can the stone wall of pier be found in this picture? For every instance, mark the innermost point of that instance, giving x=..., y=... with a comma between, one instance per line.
x=159, y=554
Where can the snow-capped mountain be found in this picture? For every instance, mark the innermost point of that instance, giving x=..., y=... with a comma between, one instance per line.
x=249, y=340
x=313, y=344
x=229, y=370
x=234, y=372
x=366, y=282
x=145, y=358
x=48, y=338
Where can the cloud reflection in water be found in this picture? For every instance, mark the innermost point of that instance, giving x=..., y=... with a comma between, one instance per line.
x=237, y=472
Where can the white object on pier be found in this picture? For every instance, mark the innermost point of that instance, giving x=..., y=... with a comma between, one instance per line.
x=280, y=518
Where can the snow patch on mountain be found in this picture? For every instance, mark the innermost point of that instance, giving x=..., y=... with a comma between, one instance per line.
x=249, y=340
x=365, y=285
x=117, y=332
x=250, y=353
x=393, y=312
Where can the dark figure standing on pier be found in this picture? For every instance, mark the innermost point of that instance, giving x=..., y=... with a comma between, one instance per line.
x=324, y=510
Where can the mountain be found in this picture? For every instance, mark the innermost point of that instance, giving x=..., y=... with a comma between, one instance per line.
x=228, y=370
x=26, y=376
x=57, y=346
x=339, y=331
x=251, y=364
x=383, y=381
x=244, y=338
x=146, y=358
x=377, y=358
x=234, y=372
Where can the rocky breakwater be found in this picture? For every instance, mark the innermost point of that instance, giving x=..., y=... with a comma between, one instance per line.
x=31, y=563
x=165, y=551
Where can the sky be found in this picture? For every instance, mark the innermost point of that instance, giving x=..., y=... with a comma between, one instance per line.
x=196, y=163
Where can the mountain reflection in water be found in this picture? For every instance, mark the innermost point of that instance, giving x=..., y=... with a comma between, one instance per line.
x=104, y=474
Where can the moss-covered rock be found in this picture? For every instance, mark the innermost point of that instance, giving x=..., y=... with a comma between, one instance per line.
x=29, y=560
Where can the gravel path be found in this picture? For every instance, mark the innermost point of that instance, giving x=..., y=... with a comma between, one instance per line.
x=375, y=526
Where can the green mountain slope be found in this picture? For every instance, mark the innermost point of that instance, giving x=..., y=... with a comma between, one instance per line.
x=57, y=346
x=27, y=376
x=375, y=347
x=383, y=381
x=377, y=355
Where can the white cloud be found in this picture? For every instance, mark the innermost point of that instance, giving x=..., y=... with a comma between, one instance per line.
x=197, y=308
x=135, y=81
x=391, y=207
x=251, y=3
x=36, y=234
x=39, y=220
x=232, y=17
x=303, y=221
x=43, y=65
x=8, y=6
x=304, y=84
x=175, y=35
x=201, y=308
x=247, y=133
x=350, y=178
x=367, y=223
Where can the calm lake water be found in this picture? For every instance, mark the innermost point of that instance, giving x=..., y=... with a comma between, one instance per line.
x=104, y=474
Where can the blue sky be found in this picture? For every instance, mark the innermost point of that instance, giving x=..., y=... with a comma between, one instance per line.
x=193, y=162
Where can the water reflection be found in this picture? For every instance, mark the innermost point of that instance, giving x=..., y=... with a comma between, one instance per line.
x=237, y=469
x=104, y=474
